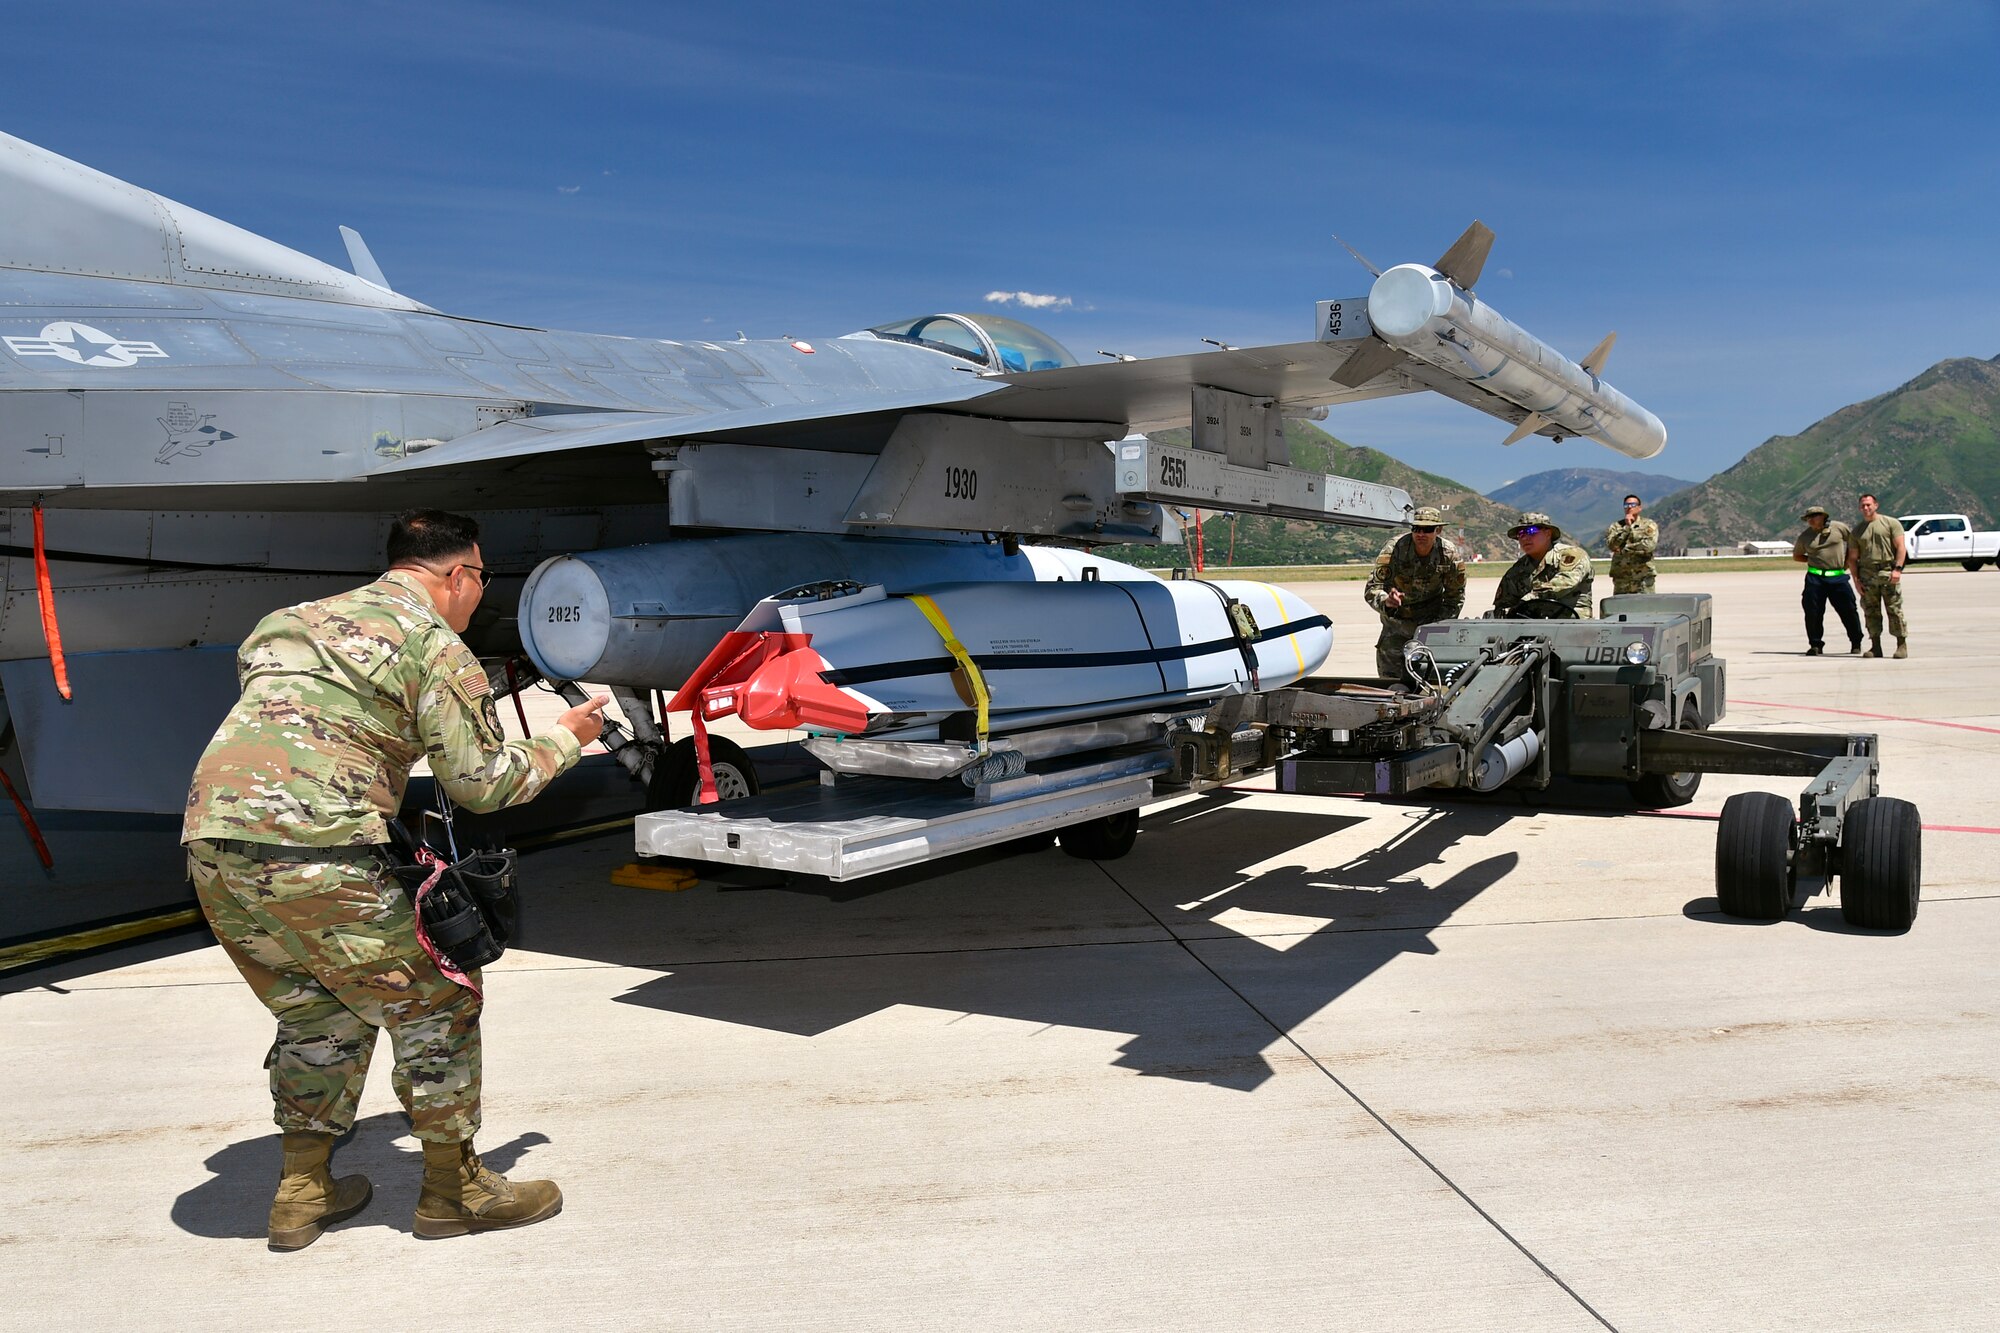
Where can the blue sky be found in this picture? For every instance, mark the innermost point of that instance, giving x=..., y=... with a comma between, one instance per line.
x=1781, y=207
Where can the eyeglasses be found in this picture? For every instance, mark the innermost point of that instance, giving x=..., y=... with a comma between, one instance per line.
x=1530, y=530
x=1428, y=531
x=480, y=572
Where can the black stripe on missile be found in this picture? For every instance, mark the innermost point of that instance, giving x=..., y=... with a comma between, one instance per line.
x=939, y=666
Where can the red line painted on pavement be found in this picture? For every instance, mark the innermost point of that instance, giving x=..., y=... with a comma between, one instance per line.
x=1879, y=717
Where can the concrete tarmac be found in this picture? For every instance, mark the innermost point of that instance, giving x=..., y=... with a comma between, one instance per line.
x=1292, y=1063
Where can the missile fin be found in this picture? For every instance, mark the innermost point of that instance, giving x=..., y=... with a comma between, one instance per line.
x=1594, y=363
x=1466, y=259
x=1530, y=423
x=1367, y=361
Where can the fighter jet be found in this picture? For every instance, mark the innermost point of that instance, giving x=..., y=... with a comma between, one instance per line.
x=198, y=424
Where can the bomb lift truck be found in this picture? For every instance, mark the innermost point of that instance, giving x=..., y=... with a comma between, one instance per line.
x=1631, y=697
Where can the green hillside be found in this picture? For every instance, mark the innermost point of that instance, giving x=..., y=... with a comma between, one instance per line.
x=1479, y=523
x=1932, y=445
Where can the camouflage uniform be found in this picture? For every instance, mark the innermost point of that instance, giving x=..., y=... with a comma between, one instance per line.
x=285, y=819
x=1556, y=586
x=1433, y=588
x=1874, y=557
x=1632, y=546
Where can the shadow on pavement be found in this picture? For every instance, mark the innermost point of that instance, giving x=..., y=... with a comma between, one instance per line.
x=1373, y=908
x=235, y=1202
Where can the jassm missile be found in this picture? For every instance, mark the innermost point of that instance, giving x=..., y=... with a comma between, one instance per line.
x=938, y=662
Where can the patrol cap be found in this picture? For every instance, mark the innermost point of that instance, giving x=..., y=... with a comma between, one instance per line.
x=1430, y=516
x=1816, y=509
x=1534, y=521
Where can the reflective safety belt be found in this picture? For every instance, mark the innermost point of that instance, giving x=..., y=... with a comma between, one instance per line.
x=980, y=698
x=1827, y=573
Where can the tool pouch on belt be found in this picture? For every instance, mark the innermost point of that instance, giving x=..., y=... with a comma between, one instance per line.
x=470, y=908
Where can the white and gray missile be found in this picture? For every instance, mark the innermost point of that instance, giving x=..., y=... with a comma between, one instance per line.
x=1020, y=655
x=1433, y=315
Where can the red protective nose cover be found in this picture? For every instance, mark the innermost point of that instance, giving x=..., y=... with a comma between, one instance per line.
x=787, y=692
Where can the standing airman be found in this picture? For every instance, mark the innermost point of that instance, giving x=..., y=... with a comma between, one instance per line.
x=1825, y=548
x=1632, y=541
x=1879, y=555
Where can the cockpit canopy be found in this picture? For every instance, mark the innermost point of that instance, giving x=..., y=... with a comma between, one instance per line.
x=988, y=341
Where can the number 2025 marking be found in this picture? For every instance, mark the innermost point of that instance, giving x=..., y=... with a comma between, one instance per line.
x=961, y=483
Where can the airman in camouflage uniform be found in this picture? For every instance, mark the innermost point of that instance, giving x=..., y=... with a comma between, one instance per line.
x=1417, y=579
x=1551, y=580
x=285, y=829
x=1880, y=550
x=1632, y=541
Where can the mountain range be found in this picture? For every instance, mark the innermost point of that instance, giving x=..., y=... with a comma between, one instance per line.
x=1931, y=445
x=1585, y=501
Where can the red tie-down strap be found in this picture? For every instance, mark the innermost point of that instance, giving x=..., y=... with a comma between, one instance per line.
x=45, y=594
x=710, y=691
x=28, y=823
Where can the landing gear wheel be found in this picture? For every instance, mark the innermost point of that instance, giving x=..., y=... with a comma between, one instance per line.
x=677, y=776
x=1881, y=858
x=1663, y=791
x=1753, y=854
x=1103, y=839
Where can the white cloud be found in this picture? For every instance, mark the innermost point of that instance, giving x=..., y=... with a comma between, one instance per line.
x=1029, y=300
x=568, y=189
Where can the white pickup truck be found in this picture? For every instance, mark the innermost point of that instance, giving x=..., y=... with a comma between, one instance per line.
x=1949, y=537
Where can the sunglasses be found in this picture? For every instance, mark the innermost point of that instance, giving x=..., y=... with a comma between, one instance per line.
x=1429, y=530
x=1631, y=504
x=1530, y=530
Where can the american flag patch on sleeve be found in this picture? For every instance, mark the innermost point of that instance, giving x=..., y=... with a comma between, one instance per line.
x=472, y=682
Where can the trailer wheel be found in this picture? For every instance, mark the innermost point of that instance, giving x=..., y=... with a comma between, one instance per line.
x=1753, y=846
x=1105, y=838
x=677, y=775
x=1663, y=791
x=1881, y=859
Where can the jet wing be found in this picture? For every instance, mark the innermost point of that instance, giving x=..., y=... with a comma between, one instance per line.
x=1149, y=394
x=1152, y=394
x=848, y=424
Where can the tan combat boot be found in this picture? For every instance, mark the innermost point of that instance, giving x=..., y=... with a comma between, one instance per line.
x=1902, y=647
x=1874, y=646
x=309, y=1198
x=461, y=1195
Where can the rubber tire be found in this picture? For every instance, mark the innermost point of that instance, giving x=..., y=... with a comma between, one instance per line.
x=1103, y=839
x=1753, y=877
x=1971, y=566
x=1881, y=860
x=1664, y=791
x=676, y=783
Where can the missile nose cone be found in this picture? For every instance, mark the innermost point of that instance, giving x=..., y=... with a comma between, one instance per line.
x=1405, y=299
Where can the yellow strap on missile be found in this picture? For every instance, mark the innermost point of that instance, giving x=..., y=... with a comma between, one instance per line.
x=980, y=698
